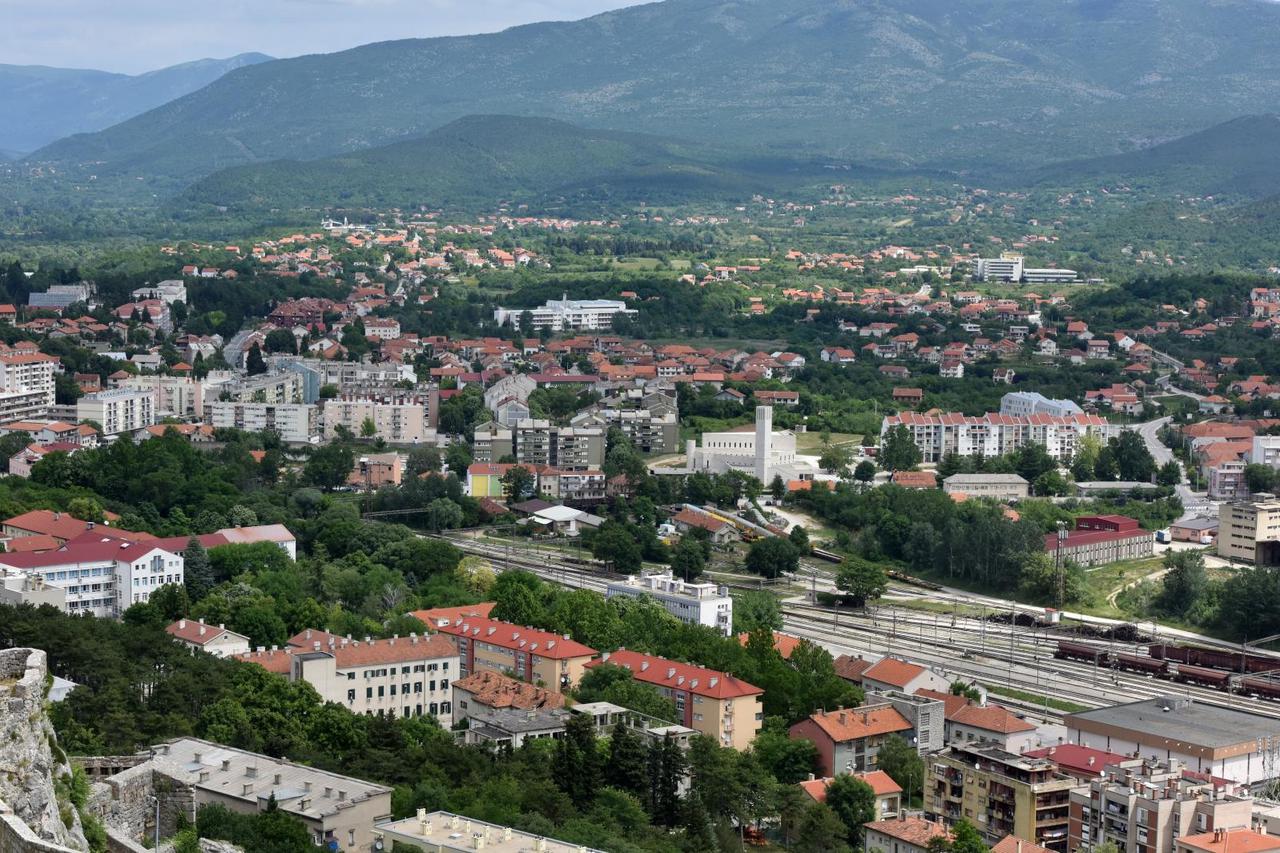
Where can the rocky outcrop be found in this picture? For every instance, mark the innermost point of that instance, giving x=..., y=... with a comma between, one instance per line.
x=210, y=846
x=30, y=761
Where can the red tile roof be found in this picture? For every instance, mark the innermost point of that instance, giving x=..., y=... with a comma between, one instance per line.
x=895, y=671
x=784, y=643
x=851, y=668
x=495, y=690
x=543, y=644
x=1014, y=844
x=679, y=676
x=913, y=830
x=437, y=616
x=196, y=632
x=63, y=525
x=1080, y=761
x=992, y=718
x=353, y=653
x=881, y=783
x=857, y=723
x=1236, y=840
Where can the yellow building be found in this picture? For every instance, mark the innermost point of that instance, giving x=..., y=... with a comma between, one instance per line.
x=527, y=654
x=1249, y=531
x=1001, y=794
x=711, y=703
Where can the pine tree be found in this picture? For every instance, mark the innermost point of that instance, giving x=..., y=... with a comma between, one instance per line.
x=197, y=571
x=699, y=834
x=255, y=363
x=626, y=768
x=671, y=770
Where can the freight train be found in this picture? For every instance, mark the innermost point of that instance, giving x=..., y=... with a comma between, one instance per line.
x=1222, y=670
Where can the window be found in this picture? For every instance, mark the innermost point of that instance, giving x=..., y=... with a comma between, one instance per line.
x=368, y=693
x=382, y=691
x=351, y=696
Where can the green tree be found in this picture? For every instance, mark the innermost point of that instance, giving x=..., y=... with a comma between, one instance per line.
x=821, y=831
x=777, y=488
x=898, y=451
x=865, y=471
x=443, y=514
x=254, y=363
x=687, y=559
x=577, y=768
x=615, y=545
x=1184, y=584
x=171, y=601
x=799, y=537
x=1132, y=458
x=423, y=460
x=899, y=759
x=854, y=802
x=627, y=759
x=772, y=556
x=1259, y=478
x=329, y=466
x=755, y=609
x=368, y=429
x=835, y=459
x=861, y=579
x=518, y=483
x=959, y=687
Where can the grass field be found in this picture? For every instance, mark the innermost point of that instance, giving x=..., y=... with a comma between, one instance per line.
x=1035, y=699
x=811, y=442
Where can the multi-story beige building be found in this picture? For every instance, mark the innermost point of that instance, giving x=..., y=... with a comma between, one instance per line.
x=712, y=703
x=179, y=396
x=396, y=677
x=1143, y=806
x=539, y=442
x=649, y=431
x=286, y=387
x=937, y=434
x=118, y=411
x=398, y=419
x=1249, y=530
x=1000, y=793
x=527, y=654
x=293, y=422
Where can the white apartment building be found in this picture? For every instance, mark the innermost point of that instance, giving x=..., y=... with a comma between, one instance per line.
x=1007, y=268
x=103, y=577
x=26, y=384
x=1265, y=450
x=396, y=677
x=169, y=291
x=995, y=434
x=120, y=410
x=179, y=396
x=565, y=313
x=293, y=422
x=382, y=328
x=694, y=603
x=1025, y=403
x=397, y=419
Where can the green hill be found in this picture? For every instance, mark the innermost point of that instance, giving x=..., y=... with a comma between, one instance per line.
x=478, y=161
x=944, y=82
x=1239, y=157
x=42, y=104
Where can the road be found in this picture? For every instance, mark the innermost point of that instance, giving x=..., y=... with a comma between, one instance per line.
x=1193, y=503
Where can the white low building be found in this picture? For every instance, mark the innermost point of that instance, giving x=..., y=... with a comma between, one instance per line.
x=758, y=451
x=216, y=640
x=565, y=313
x=695, y=603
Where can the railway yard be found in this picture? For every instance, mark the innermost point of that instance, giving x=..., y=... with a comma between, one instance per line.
x=1042, y=671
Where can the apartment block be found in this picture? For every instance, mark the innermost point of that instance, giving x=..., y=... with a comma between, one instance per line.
x=26, y=384
x=996, y=434
x=396, y=677
x=1144, y=806
x=694, y=603
x=565, y=313
x=1000, y=793
x=649, y=431
x=527, y=654
x=101, y=576
x=1249, y=530
x=714, y=704
x=397, y=419
x=848, y=740
x=294, y=422
x=118, y=411
x=539, y=442
x=179, y=396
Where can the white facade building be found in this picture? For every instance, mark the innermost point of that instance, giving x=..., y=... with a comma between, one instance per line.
x=994, y=434
x=998, y=269
x=121, y=410
x=695, y=603
x=102, y=577
x=1025, y=403
x=1265, y=450
x=169, y=291
x=26, y=384
x=293, y=422
x=565, y=313
x=760, y=452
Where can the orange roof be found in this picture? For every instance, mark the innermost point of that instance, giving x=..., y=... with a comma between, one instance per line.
x=63, y=526
x=881, y=783
x=39, y=542
x=679, y=676
x=543, y=644
x=951, y=702
x=893, y=671
x=913, y=830
x=353, y=653
x=1014, y=844
x=992, y=718
x=858, y=723
x=784, y=643
x=495, y=690
x=438, y=616
x=1239, y=840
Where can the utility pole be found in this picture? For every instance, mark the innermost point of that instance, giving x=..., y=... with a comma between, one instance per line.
x=1059, y=566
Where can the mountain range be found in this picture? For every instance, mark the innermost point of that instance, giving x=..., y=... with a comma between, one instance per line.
x=1240, y=157
x=477, y=162
x=949, y=83
x=42, y=104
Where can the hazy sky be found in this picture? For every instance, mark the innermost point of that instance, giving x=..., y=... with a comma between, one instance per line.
x=141, y=35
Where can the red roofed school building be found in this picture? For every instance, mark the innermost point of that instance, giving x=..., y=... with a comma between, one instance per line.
x=1101, y=539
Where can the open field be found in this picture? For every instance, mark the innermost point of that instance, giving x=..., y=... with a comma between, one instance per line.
x=811, y=442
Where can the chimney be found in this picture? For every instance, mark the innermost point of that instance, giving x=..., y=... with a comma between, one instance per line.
x=226, y=764
x=182, y=624
x=342, y=795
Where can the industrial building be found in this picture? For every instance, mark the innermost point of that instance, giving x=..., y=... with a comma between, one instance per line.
x=1225, y=742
